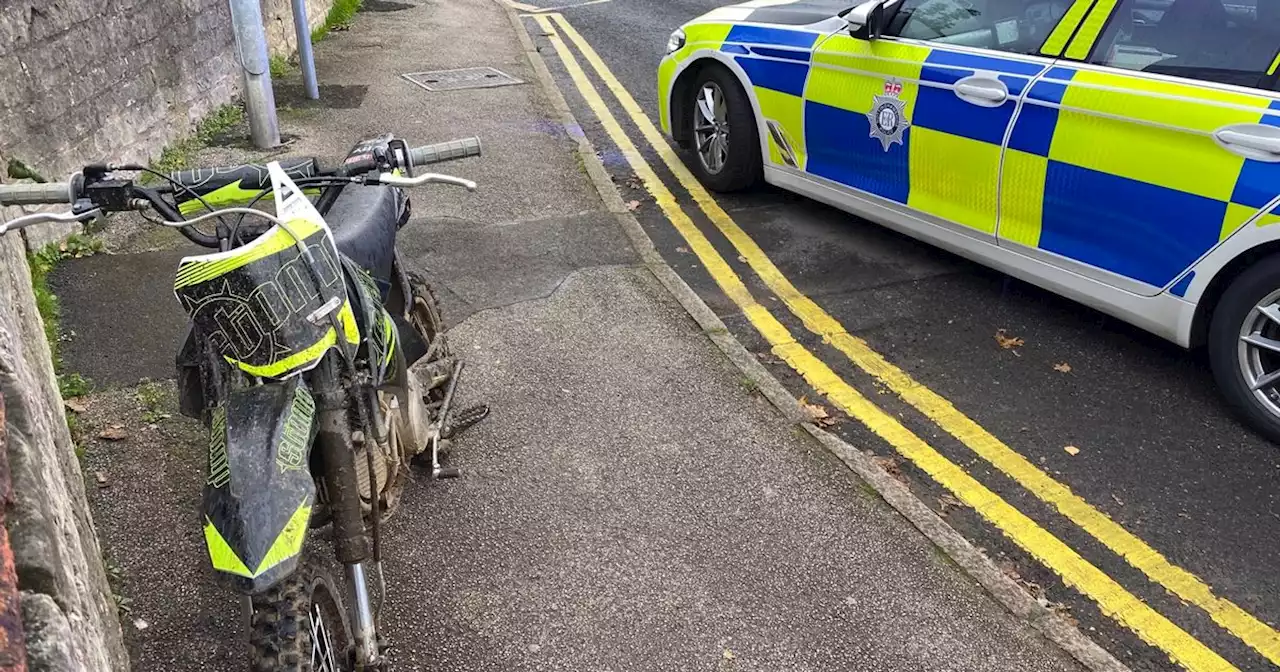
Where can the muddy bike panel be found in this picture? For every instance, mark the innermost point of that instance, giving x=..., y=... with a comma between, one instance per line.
x=268, y=306
x=259, y=493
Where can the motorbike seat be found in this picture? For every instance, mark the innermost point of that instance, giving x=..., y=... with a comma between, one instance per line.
x=364, y=223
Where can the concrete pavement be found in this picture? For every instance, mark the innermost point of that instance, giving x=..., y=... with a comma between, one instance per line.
x=632, y=503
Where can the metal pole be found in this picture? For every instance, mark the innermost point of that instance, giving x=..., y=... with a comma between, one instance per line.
x=302, y=26
x=259, y=99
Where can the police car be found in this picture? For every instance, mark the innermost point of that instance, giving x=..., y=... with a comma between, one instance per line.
x=1123, y=153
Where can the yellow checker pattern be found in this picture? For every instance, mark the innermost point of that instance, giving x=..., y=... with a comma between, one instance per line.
x=1114, y=170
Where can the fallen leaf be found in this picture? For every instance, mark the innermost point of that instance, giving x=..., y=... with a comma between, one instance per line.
x=1064, y=611
x=818, y=414
x=728, y=655
x=1072, y=450
x=1006, y=341
x=891, y=466
x=141, y=624
x=948, y=502
x=113, y=433
x=632, y=205
x=1062, y=367
x=74, y=405
x=101, y=479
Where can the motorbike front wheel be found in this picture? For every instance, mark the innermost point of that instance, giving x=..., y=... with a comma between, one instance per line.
x=300, y=626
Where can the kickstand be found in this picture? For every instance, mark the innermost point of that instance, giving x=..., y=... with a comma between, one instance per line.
x=450, y=427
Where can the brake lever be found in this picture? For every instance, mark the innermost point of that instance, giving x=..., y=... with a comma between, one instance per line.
x=49, y=218
x=393, y=180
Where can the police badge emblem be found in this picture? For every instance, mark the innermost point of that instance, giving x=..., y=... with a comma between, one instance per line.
x=888, y=115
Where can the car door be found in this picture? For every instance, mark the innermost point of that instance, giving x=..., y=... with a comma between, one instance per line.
x=919, y=115
x=1155, y=138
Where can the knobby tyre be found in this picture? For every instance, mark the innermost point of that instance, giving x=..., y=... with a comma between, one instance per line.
x=300, y=625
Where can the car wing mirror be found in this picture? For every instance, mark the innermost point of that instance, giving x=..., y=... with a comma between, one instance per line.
x=868, y=19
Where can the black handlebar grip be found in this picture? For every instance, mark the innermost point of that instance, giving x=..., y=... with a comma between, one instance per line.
x=444, y=151
x=45, y=193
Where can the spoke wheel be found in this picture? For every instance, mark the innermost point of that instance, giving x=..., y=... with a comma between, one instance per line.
x=300, y=626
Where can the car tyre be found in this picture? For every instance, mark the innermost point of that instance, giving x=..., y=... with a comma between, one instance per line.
x=724, y=140
x=1237, y=364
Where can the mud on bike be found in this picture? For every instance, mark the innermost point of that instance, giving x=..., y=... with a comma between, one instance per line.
x=318, y=363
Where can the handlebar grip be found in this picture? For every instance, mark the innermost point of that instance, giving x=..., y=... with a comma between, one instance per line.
x=444, y=151
x=45, y=193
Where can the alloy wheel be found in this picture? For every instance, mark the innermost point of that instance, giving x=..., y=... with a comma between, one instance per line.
x=1259, y=352
x=711, y=128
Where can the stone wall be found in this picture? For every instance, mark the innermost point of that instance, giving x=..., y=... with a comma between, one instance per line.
x=68, y=612
x=278, y=19
x=95, y=80
x=84, y=81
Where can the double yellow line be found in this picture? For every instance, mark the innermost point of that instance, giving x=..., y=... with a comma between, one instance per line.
x=1112, y=598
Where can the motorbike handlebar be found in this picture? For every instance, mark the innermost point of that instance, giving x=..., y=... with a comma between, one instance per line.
x=44, y=193
x=444, y=151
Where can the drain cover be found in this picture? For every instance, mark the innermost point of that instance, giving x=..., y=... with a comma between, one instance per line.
x=462, y=78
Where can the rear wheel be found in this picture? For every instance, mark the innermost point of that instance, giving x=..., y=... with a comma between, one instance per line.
x=1244, y=346
x=300, y=626
x=726, y=144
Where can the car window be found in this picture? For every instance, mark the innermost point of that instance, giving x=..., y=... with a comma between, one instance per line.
x=1017, y=26
x=1229, y=43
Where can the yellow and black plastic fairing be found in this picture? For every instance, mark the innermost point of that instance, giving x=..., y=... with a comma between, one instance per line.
x=260, y=492
x=266, y=307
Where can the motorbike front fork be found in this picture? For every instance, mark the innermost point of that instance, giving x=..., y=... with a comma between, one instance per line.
x=350, y=540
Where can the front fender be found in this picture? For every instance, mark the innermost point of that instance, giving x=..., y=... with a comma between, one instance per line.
x=259, y=493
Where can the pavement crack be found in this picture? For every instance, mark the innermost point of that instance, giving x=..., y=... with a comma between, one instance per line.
x=544, y=297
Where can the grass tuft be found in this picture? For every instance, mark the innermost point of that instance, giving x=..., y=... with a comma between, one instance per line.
x=339, y=18
x=180, y=154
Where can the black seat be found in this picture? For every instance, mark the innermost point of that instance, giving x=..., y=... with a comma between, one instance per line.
x=364, y=223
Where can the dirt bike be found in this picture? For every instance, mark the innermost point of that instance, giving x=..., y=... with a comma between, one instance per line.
x=317, y=361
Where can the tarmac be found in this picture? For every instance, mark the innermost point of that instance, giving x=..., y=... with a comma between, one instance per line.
x=635, y=501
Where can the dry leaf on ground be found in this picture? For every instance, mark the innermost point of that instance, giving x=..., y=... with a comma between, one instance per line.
x=74, y=405
x=1062, y=367
x=632, y=205
x=113, y=433
x=1008, y=342
x=891, y=466
x=1071, y=450
x=947, y=502
x=818, y=414
x=101, y=479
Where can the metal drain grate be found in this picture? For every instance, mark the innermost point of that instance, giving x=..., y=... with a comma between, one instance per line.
x=462, y=78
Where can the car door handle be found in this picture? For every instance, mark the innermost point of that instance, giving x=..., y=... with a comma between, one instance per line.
x=1252, y=141
x=982, y=90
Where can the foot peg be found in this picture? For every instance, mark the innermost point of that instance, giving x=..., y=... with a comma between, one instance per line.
x=464, y=419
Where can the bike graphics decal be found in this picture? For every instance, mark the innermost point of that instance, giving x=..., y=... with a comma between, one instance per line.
x=267, y=306
x=256, y=511
x=237, y=185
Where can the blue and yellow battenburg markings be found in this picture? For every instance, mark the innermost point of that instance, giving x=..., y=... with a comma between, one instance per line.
x=1112, y=170
x=1121, y=172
